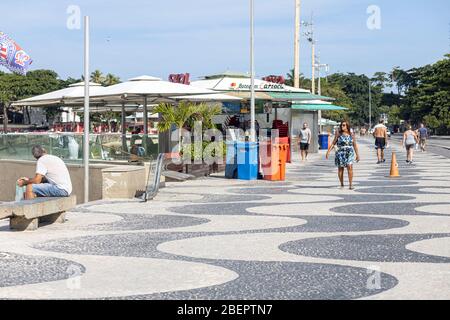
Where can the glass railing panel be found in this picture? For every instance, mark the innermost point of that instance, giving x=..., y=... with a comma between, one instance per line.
x=106, y=147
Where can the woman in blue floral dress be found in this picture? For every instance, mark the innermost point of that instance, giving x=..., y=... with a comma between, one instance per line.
x=347, y=152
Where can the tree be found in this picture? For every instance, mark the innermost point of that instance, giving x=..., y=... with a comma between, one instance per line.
x=205, y=114
x=334, y=91
x=427, y=96
x=382, y=80
x=304, y=82
x=174, y=115
x=97, y=77
x=356, y=88
x=110, y=80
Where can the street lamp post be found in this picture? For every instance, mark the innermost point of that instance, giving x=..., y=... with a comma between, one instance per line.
x=319, y=67
x=252, y=71
x=370, y=105
x=86, y=110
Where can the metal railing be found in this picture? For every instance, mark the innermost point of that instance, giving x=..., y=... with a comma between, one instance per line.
x=152, y=189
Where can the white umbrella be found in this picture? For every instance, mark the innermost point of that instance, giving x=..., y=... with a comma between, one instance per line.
x=142, y=88
x=60, y=97
x=146, y=86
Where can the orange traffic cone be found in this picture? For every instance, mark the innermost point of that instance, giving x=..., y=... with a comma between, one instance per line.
x=394, y=167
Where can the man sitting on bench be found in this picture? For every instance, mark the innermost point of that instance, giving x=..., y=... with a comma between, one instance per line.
x=52, y=177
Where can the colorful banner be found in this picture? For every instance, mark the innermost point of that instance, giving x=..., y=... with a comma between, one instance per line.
x=12, y=56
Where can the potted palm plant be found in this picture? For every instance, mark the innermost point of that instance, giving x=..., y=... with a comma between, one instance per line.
x=184, y=115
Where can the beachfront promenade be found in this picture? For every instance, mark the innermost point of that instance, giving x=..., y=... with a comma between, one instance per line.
x=213, y=238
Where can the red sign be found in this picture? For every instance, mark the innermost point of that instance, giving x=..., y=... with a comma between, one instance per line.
x=182, y=78
x=274, y=79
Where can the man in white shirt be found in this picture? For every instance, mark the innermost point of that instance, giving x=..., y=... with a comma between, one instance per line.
x=52, y=177
x=305, y=141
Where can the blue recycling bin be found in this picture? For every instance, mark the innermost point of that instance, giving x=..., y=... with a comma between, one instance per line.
x=323, y=141
x=247, y=160
x=231, y=160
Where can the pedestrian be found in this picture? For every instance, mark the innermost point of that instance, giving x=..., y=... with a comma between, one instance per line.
x=52, y=177
x=380, y=135
x=423, y=136
x=305, y=141
x=410, y=139
x=362, y=132
x=346, y=154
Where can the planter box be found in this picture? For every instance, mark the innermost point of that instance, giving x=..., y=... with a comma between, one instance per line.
x=215, y=167
x=197, y=170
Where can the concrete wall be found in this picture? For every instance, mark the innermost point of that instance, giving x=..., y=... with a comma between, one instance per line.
x=123, y=182
x=106, y=181
x=311, y=118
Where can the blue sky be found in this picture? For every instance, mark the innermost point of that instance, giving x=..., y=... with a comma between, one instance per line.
x=155, y=37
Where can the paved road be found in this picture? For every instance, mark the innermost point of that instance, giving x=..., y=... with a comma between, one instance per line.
x=304, y=238
x=436, y=145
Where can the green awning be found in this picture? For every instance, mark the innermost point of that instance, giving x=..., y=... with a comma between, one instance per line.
x=297, y=96
x=316, y=107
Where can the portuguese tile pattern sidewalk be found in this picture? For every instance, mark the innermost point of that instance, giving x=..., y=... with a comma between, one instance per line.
x=305, y=238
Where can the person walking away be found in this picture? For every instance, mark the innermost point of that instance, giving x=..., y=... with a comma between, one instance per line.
x=305, y=141
x=346, y=154
x=52, y=177
x=410, y=139
x=362, y=132
x=423, y=136
x=380, y=135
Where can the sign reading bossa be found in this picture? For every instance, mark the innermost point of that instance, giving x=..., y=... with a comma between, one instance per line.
x=266, y=86
x=269, y=83
x=12, y=56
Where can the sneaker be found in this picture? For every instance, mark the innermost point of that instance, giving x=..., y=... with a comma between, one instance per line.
x=384, y=160
x=378, y=162
x=407, y=161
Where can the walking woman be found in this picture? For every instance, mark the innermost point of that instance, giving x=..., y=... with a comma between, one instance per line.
x=410, y=139
x=346, y=154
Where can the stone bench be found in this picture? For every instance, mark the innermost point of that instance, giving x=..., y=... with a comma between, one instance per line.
x=27, y=214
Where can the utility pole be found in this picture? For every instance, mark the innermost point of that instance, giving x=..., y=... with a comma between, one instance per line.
x=252, y=70
x=319, y=66
x=313, y=72
x=297, y=45
x=370, y=105
x=310, y=36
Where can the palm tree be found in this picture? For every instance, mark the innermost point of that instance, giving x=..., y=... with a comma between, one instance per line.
x=175, y=115
x=97, y=76
x=205, y=114
x=110, y=80
x=304, y=83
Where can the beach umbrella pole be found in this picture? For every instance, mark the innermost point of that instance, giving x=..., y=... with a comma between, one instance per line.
x=145, y=116
x=86, y=110
x=124, y=130
x=5, y=117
